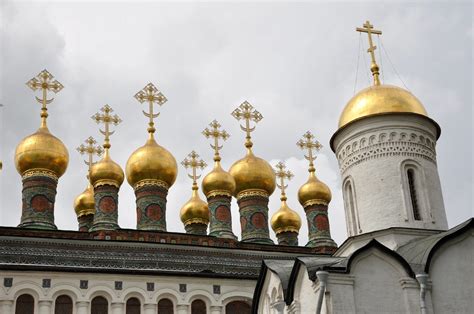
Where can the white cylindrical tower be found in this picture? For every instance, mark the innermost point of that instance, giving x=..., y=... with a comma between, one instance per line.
x=385, y=146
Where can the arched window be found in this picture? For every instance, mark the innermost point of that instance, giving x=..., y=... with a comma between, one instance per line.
x=413, y=194
x=165, y=306
x=352, y=217
x=133, y=306
x=63, y=305
x=198, y=307
x=25, y=304
x=100, y=305
x=237, y=307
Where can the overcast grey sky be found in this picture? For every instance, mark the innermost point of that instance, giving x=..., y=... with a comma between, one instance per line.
x=295, y=62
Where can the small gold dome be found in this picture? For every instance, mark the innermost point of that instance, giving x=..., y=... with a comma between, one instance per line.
x=252, y=172
x=379, y=99
x=151, y=162
x=195, y=210
x=286, y=220
x=106, y=171
x=84, y=203
x=314, y=191
x=41, y=150
x=218, y=180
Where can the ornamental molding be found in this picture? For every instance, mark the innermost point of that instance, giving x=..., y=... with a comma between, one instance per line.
x=252, y=193
x=106, y=182
x=40, y=172
x=384, y=144
x=315, y=202
x=151, y=182
x=218, y=193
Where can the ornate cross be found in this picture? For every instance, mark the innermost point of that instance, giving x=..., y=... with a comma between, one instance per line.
x=216, y=134
x=193, y=161
x=90, y=149
x=369, y=29
x=106, y=118
x=44, y=81
x=283, y=175
x=151, y=94
x=308, y=142
x=248, y=113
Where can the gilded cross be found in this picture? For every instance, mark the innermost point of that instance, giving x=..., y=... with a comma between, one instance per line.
x=282, y=174
x=152, y=95
x=90, y=149
x=246, y=112
x=44, y=81
x=216, y=134
x=308, y=142
x=193, y=162
x=369, y=29
x=106, y=118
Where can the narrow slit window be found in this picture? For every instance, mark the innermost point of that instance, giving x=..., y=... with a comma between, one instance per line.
x=413, y=194
x=350, y=203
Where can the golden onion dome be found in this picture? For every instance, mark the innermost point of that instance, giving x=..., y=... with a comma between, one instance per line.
x=285, y=220
x=218, y=180
x=253, y=173
x=380, y=99
x=41, y=150
x=195, y=210
x=84, y=203
x=106, y=171
x=151, y=162
x=314, y=192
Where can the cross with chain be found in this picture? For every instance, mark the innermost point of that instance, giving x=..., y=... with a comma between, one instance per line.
x=369, y=29
x=308, y=142
x=248, y=113
x=193, y=161
x=151, y=94
x=106, y=118
x=282, y=174
x=44, y=81
x=90, y=149
x=216, y=134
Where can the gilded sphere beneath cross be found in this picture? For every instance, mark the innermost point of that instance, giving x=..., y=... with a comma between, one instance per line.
x=151, y=162
x=285, y=220
x=84, y=203
x=41, y=150
x=380, y=99
x=253, y=173
x=106, y=171
x=195, y=210
x=218, y=180
x=314, y=191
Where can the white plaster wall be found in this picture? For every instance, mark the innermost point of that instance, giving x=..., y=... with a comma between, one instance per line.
x=133, y=286
x=371, y=153
x=305, y=292
x=452, y=276
x=271, y=297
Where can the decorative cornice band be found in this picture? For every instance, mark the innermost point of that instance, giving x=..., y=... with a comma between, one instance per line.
x=315, y=202
x=252, y=192
x=151, y=182
x=106, y=182
x=40, y=172
x=196, y=221
x=218, y=193
x=287, y=229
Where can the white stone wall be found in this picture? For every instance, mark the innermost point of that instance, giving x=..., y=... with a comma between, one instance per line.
x=373, y=156
x=132, y=286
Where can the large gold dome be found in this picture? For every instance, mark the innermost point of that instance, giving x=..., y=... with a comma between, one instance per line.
x=314, y=191
x=285, y=220
x=253, y=173
x=151, y=162
x=84, y=203
x=41, y=150
x=218, y=180
x=106, y=171
x=195, y=210
x=379, y=99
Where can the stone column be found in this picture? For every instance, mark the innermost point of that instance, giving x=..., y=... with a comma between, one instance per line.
x=117, y=307
x=85, y=222
x=220, y=216
x=216, y=309
x=38, y=197
x=319, y=234
x=106, y=207
x=288, y=238
x=82, y=307
x=182, y=308
x=6, y=306
x=253, y=207
x=151, y=205
x=44, y=306
x=149, y=308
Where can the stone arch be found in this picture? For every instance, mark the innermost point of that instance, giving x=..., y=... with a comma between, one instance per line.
x=382, y=137
x=203, y=295
x=65, y=289
x=350, y=205
x=101, y=290
x=29, y=287
x=235, y=296
x=420, y=190
x=134, y=292
x=167, y=293
x=362, y=142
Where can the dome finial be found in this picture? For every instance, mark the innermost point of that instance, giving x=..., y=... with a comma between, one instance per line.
x=193, y=162
x=151, y=94
x=248, y=113
x=44, y=81
x=106, y=118
x=90, y=149
x=308, y=142
x=282, y=175
x=369, y=29
x=216, y=134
